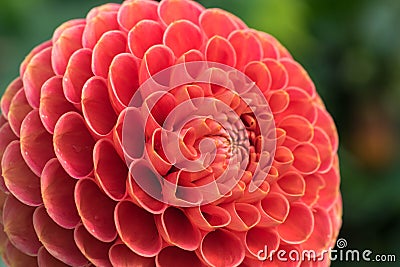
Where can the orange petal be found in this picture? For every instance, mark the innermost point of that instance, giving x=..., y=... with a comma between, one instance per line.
x=53, y=103
x=157, y=58
x=291, y=185
x=279, y=75
x=59, y=242
x=247, y=47
x=243, y=216
x=208, y=217
x=96, y=107
x=133, y=11
x=258, y=238
x=110, y=170
x=93, y=249
x=219, y=49
x=173, y=10
x=139, y=41
x=306, y=158
x=274, y=209
x=298, y=77
x=215, y=21
x=73, y=145
x=293, y=230
x=259, y=73
x=18, y=177
x=18, y=225
x=57, y=189
x=179, y=43
x=98, y=222
x=174, y=256
x=137, y=229
x=110, y=44
x=37, y=72
x=36, y=143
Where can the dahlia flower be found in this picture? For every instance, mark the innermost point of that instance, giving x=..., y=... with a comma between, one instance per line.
x=165, y=134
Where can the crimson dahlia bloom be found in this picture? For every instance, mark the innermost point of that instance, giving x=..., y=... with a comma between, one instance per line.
x=165, y=134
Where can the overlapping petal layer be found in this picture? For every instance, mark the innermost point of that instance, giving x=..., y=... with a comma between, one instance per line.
x=70, y=194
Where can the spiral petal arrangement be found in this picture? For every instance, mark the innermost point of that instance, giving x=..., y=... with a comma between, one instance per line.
x=109, y=158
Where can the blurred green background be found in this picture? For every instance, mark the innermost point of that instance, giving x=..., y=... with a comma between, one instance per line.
x=351, y=49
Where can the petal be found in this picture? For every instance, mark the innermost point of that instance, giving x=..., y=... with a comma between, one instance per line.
x=157, y=58
x=53, y=103
x=121, y=256
x=57, y=189
x=36, y=143
x=137, y=229
x=219, y=49
x=222, y=248
x=123, y=79
x=322, y=142
x=8, y=95
x=98, y=222
x=14, y=257
x=329, y=194
x=298, y=77
x=59, y=242
x=326, y=123
x=98, y=23
x=181, y=43
x=110, y=170
x=19, y=179
x=247, y=47
x=297, y=128
x=73, y=145
x=31, y=54
x=259, y=73
x=215, y=21
x=174, y=256
x=65, y=26
x=208, y=217
x=173, y=10
x=243, y=216
x=18, y=225
x=176, y=229
x=139, y=41
x=131, y=12
x=306, y=158
x=270, y=49
x=93, y=249
x=278, y=100
x=19, y=108
x=77, y=73
x=274, y=209
x=6, y=137
x=294, y=230
x=292, y=185
x=258, y=238
x=283, y=159
x=279, y=75
x=110, y=44
x=37, y=72
x=66, y=44
x=96, y=107
x=314, y=183
x=45, y=259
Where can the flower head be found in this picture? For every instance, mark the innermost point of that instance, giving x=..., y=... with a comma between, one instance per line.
x=165, y=134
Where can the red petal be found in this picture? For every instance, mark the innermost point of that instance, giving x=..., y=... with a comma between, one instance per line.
x=243, y=216
x=96, y=107
x=174, y=256
x=279, y=75
x=139, y=39
x=18, y=225
x=14, y=257
x=8, y=95
x=247, y=47
x=297, y=127
x=133, y=11
x=306, y=158
x=99, y=222
x=283, y=159
x=157, y=58
x=58, y=195
x=278, y=100
x=98, y=23
x=66, y=44
x=36, y=143
x=222, y=248
x=58, y=241
x=322, y=142
x=208, y=217
x=292, y=185
x=259, y=73
x=176, y=229
x=215, y=21
x=77, y=73
x=295, y=230
x=18, y=177
x=173, y=10
x=314, y=183
x=298, y=77
x=181, y=43
x=121, y=256
x=137, y=229
x=270, y=49
x=329, y=194
x=219, y=49
x=31, y=54
x=325, y=121
x=123, y=79
x=19, y=108
x=37, y=72
x=73, y=145
x=93, y=249
x=110, y=171
x=65, y=26
x=258, y=238
x=110, y=44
